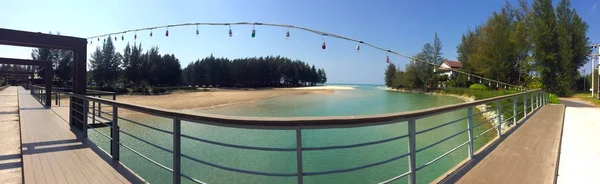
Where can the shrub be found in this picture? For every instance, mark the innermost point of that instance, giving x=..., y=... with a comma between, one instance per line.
x=480, y=87
x=554, y=99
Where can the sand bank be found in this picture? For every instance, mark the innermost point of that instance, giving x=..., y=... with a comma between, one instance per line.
x=214, y=98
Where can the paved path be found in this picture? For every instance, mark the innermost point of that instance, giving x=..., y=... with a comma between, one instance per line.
x=52, y=153
x=529, y=154
x=10, y=139
x=580, y=149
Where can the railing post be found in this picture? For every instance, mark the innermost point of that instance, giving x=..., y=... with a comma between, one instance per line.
x=99, y=107
x=56, y=98
x=470, y=127
x=114, y=134
x=84, y=117
x=299, y=166
x=532, y=104
x=93, y=112
x=525, y=105
x=499, y=113
x=515, y=110
x=176, y=151
x=412, y=158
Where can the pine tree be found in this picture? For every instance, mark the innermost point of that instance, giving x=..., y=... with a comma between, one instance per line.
x=390, y=71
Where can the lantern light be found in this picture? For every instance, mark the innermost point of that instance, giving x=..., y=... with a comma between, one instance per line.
x=150, y=32
x=167, y=33
x=287, y=32
x=230, y=33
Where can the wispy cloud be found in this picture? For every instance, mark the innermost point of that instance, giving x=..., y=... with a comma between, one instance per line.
x=594, y=7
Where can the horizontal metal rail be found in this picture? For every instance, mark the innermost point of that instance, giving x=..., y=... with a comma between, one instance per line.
x=147, y=142
x=441, y=156
x=141, y=124
x=486, y=121
x=145, y=157
x=90, y=127
x=395, y=178
x=440, y=141
x=239, y=170
x=435, y=127
x=239, y=146
x=353, y=145
x=355, y=168
x=486, y=131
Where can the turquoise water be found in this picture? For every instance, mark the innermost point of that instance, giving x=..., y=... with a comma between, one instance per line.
x=361, y=101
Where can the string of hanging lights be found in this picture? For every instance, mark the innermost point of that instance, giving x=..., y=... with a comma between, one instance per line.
x=287, y=35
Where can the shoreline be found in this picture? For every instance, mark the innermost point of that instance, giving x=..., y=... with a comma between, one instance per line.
x=203, y=100
x=490, y=116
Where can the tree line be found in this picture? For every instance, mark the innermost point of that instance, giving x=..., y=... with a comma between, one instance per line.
x=136, y=68
x=270, y=71
x=526, y=45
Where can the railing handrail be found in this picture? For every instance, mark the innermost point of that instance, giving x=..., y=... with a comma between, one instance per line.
x=296, y=122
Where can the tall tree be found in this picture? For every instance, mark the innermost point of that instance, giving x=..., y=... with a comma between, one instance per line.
x=390, y=71
x=106, y=64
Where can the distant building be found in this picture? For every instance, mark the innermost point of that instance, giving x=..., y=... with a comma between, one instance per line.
x=447, y=66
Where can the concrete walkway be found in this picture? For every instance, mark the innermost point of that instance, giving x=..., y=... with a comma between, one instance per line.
x=580, y=149
x=10, y=138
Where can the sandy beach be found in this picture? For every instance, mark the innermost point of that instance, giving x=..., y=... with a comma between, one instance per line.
x=217, y=97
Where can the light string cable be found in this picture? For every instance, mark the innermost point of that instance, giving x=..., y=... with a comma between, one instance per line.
x=322, y=33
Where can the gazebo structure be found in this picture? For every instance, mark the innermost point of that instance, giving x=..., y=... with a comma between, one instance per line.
x=78, y=46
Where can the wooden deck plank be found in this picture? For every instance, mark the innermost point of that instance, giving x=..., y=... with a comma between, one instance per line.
x=527, y=155
x=54, y=154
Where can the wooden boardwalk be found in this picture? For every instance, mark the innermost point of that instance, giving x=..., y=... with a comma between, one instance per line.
x=527, y=154
x=10, y=144
x=52, y=153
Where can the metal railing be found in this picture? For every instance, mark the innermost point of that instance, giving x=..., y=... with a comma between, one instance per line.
x=523, y=105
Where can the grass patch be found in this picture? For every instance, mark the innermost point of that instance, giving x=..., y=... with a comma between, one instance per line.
x=587, y=97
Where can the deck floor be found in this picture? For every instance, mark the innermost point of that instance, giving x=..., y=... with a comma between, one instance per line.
x=10, y=146
x=529, y=154
x=52, y=153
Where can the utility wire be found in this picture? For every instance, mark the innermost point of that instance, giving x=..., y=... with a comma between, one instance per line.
x=322, y=33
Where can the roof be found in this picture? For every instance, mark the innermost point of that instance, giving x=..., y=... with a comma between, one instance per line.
x=453, y=64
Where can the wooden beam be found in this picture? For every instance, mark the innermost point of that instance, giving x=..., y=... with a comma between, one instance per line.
x=31, y=39
x=14, y=61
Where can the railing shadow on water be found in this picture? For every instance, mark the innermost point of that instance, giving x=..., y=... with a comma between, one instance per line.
x=299, y=135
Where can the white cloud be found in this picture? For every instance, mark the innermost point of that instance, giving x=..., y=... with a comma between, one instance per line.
x=594, y=7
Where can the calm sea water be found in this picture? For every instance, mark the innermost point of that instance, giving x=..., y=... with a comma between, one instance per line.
x=365, y=99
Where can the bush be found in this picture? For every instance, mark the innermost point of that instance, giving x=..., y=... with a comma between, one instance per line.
x=479, y=87
x=554, y=99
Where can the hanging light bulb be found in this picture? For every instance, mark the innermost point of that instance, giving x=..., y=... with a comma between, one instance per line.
x=151, y=33
x=91, y=41
x=469, y=77
x=135, y=36
x=122, y=37
x=287, y=32
x=167, y=33
x=253, y=31
x=489, y=83
x=197, y=32
x=323, y=46
x=387, y=59
x=358, y=47
x=98, y=38
x=230, y=33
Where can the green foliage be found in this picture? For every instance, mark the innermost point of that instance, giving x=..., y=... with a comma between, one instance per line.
x=554, y=99
x=252, y=72
x=519, y=42
x=418, y=75
x=479, y=87
x=390, y=71
x=106, y=62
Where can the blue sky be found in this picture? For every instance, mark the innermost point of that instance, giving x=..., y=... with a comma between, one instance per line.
x=402, y=26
